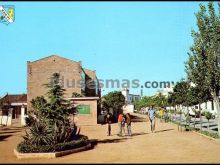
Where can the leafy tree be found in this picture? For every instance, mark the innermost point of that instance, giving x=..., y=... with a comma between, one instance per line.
x=180, y=92
x=203, y=67
x=180, y=95
x=114, y=100
x=171, y=102
x=192, y=99
x=160, y=100
x=156, y=100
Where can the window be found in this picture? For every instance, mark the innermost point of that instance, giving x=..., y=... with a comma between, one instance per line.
x=83, y=79
x=83, y=109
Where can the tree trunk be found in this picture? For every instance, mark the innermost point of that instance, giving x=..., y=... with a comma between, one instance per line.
x=208, y=125
x=175, y=113
x=195, y=120
x=188, y=116
x=181, y=119
x=200, y=116
x=216, y=100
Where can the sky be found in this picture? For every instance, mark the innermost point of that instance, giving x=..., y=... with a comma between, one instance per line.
x=147, y=41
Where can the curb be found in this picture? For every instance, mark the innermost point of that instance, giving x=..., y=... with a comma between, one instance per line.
x=208, y=137
x=205, y=136
x=50, y=154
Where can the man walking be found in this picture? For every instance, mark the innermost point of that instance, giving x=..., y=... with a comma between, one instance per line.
x=151, y=115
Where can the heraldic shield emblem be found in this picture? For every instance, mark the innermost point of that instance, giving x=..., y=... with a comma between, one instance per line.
x=7, y=14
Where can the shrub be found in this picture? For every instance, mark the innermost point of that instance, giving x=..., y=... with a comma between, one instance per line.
x=79, y=141
x=29, y=120
x=51, y=129
x=39, y=135
x=208, y=115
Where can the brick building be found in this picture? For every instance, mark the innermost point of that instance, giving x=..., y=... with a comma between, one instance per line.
x=71, y=72
x=14, y=109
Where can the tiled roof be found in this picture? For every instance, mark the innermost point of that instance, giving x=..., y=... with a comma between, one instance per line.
x=20, y=98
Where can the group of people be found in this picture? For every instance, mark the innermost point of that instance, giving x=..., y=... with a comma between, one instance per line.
x=125, y=120
x=122, y=121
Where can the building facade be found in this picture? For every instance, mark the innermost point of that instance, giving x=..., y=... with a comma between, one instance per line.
x=129, y=100
x=74, y=79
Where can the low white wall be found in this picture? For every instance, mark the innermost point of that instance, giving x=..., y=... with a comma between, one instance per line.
x=23, y=123
x=5, y=120
x=128, y=108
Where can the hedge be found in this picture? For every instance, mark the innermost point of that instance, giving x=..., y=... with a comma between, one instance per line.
x=23, y=147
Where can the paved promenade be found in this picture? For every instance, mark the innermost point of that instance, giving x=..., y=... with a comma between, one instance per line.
x=167, y=145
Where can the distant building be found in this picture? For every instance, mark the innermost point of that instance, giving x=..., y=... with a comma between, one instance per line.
x=74, y=78
x=14, y=109
x=129, y=100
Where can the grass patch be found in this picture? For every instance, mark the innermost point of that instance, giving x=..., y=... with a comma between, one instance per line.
x=204, y=132
x=210, y=134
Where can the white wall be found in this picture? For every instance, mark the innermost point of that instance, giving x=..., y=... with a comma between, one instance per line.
x=128, y=108
x=125, y=93
x=5, y=120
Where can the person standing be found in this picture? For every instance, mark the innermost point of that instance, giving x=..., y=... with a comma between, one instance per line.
x=123, y=124
x=161, y=114
x=120, y=119
x=128, y=121
x=109, y=121
x=151, y=115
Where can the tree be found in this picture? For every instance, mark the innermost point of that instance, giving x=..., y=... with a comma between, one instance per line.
x=171, y=102
x=191, y=99
x=208, y=116
x=51, y=124
x=180, y=94
x=114, y=100
x=146, y=101
x=204, y=56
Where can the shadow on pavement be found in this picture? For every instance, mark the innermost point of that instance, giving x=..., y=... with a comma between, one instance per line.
x=3, y=137
x=95, y=142
x=137, y=134
x=164, y=130
x=8, y=132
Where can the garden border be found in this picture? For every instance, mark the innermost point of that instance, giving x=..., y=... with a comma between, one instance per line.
x=208, y=137
x=200, y=134
x=20, y=155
